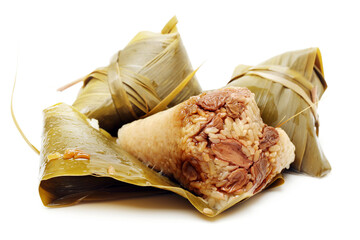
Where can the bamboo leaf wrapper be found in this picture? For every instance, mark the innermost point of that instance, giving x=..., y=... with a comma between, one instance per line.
x=138, y=78
x=283, y=86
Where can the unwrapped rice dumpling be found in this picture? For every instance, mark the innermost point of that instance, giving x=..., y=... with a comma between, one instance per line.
x=284, y=86
x=81, y=162
x=214, y=144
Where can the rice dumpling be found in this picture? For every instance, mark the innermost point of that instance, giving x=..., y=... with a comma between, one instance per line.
x=284, y=86
x=138, y=78
x=214, y=144
x=103, y=170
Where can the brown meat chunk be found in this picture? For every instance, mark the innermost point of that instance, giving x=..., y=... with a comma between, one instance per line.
x=233, y=107
x=230, y=150
x=270, y=138
x=212, y=101
x=216, y=122
x=258, y=170
x=237, y=179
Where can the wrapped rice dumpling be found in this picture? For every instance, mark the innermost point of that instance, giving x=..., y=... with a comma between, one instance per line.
x=138, y=78
x=284, y=86
x=214, y=144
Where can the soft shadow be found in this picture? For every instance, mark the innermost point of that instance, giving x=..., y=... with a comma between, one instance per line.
x=167, y=201
x=159, y=202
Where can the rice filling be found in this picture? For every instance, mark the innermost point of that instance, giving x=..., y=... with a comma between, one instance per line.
x=236, y=156
x=215, y=145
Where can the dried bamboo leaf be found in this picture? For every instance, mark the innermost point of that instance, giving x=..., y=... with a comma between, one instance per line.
x=138, y=78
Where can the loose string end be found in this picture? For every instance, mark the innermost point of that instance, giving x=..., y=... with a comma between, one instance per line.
x=297, y=114
x=16, y=122
x=60, y=89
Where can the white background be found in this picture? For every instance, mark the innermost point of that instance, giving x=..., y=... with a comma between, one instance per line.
x=58, y=42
